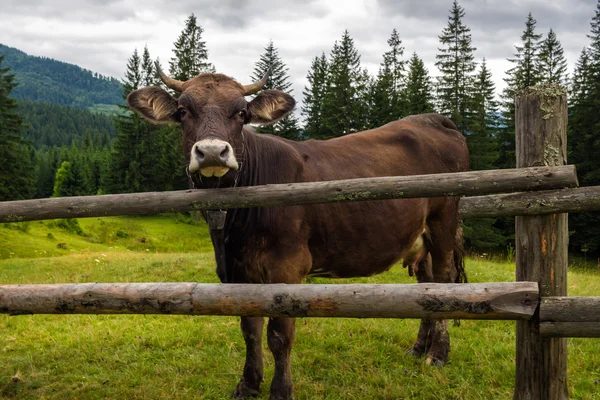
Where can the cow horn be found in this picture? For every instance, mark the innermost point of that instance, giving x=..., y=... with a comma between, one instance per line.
x=170, y=82
x=256, y=86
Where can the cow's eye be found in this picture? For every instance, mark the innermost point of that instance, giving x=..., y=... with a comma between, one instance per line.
x=242, y=114
x=181, y=111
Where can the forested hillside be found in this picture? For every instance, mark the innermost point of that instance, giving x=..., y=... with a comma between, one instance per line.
x=67, y=152
x=54, y=125
x=46, y=80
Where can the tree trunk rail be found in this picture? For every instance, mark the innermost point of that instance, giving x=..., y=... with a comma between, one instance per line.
x=563, y=316
x=541, y=202
x=489, y=301
x=570, y=329
x=382, y=188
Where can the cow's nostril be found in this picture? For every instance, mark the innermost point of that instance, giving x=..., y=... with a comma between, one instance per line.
x=224, y=153
x=199, y=153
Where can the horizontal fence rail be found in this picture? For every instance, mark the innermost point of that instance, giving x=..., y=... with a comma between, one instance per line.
x=570, y=316
x=532, y=203
x=382, y=188
x=570, y=329
x=488, y=301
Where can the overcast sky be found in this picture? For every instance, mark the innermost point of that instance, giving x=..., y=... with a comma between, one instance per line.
x=101, y=34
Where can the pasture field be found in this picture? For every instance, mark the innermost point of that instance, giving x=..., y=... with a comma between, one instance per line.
x=183, y=357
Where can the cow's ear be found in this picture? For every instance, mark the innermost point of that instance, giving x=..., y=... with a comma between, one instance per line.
x=154, y=104
x=269, y=106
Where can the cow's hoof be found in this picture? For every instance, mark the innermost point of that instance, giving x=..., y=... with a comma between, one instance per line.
x=283, y=392
x=281, y=397
x=415, y=351
x=436, y=362
x=242, y=391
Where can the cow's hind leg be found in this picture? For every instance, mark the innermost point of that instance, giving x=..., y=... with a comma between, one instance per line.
x=425, y=336
x=249, y=385
x=442, y=247
x=280, y=336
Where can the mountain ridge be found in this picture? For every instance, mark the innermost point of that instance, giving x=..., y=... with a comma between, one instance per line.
x=46, y=80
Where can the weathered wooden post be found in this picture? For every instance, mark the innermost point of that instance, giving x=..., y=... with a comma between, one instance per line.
x=541, y=243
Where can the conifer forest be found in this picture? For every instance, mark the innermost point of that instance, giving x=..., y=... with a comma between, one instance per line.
x=65, y=131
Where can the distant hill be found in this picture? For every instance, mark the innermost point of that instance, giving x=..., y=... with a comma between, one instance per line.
x=46, y=80
x=54, y=125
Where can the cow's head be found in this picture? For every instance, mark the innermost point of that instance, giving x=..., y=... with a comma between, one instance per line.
x=212, y=111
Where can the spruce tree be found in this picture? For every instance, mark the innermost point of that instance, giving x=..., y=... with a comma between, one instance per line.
x=552, y=64
x=524, y=73
x=279, y=79
x=191, y=55
x=65, y=181
x=482, y=233
x=18, y=172
x=344, y=108
x=584, y=136
x=387, y=89
x=125, y=173
x=147, y=70
x=457, y=66
x=482, y=138
x=418, y=92
x=152, y=145
x=314, y=93
x=47, y=160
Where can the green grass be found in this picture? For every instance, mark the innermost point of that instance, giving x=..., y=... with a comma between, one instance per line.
x=162, y=233
x=182, y=357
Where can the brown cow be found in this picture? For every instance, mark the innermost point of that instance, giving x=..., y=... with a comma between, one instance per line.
x=286, y=244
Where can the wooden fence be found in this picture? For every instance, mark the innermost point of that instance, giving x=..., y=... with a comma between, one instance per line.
x=538, y=301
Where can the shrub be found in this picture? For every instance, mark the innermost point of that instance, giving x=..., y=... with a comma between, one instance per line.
x=67, y=224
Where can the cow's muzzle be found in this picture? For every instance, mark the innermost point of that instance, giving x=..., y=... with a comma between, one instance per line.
x=212, y=157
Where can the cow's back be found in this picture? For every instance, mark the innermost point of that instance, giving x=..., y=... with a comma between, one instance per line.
x=420, y=144
x=363, y=238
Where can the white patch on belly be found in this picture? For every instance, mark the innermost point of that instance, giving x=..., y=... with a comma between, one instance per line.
x=415, y=248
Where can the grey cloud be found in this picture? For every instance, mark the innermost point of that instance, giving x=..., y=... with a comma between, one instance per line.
x=64, y=10
x=101, y=34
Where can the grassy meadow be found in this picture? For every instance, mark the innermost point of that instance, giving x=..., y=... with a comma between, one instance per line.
x=182, y=357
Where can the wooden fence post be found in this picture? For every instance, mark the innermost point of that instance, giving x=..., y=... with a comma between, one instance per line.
x=541, y=243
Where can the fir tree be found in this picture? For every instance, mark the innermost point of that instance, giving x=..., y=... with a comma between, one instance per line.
x=386, y=92
x=314, y=93
x=18, y=172
x=482, y=233
x=524, y=73
x=457, y=66
x=418, y=92
x=65, y=181
x=344, y=109
x=124, y=172
x=191, y=55
x=144, y=157
x=552, y=64
x=584, y=136
x=482, y=138
x=148, y=73
x=47, y=160
x=278, y=79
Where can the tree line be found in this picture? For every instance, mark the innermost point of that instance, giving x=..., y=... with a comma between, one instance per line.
x=341, y=97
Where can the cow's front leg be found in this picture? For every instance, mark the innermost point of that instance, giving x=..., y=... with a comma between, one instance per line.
x=249, y=385
x=280, y=336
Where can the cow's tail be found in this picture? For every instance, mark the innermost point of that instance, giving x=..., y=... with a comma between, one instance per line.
x=459, y=261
